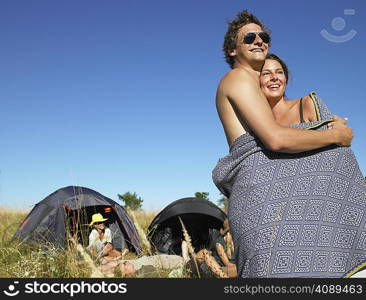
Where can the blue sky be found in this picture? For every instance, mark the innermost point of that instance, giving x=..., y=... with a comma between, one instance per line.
x=119, y=96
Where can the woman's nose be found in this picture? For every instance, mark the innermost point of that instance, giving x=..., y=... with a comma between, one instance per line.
x=273, y=77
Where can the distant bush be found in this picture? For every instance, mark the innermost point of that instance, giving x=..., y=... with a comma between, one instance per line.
x=131, y=201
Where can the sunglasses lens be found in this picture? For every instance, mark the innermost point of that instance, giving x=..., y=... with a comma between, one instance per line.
x=249, y=38
x=265, y=37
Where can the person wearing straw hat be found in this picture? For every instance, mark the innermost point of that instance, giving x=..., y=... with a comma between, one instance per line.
x=100, y=239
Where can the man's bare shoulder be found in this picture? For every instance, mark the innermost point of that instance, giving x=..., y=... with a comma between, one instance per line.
x=234, y=80
x=233, y=76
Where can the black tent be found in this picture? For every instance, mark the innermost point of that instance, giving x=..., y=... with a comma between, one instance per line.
x=68, y=211
x=198, y=216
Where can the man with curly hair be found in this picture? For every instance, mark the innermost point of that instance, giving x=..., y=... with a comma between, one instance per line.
x=249, y=124
x=242, y=105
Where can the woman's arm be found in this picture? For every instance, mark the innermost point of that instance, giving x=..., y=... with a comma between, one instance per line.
x=108, y=235
x=244, y=94
x=93, y=237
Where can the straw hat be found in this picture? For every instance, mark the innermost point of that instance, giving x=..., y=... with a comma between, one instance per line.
x=96, y=218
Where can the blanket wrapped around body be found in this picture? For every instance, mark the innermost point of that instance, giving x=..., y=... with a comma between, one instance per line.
x=294, y=215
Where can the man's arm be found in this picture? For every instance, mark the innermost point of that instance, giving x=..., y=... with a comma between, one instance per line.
x=245, y=95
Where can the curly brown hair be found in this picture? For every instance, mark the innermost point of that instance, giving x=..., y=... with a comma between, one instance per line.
x=242, y=18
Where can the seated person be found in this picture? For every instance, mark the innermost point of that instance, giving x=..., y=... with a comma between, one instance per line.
x=217, y=259
x=151, y=266
x=100, y=239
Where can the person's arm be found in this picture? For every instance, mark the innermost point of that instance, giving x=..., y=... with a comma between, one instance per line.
x=213, y=265
x=222, y=254
x=93, y=236
x=245, y=95
x=108, y=235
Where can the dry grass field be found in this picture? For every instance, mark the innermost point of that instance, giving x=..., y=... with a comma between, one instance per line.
x=23, y=261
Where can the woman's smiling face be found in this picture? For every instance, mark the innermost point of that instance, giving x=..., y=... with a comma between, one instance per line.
x=273, y=79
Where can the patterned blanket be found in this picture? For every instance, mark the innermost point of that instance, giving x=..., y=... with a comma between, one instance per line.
x=294, y=215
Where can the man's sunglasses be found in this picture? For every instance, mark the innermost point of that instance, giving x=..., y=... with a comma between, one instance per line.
x=249, y=38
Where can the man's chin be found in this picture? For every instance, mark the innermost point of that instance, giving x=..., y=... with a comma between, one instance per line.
x=259, y=58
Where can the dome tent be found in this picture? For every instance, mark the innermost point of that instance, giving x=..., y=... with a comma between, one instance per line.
x=69, y=211
x=198, y=215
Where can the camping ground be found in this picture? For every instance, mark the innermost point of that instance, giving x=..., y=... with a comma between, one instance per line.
x=23, y=261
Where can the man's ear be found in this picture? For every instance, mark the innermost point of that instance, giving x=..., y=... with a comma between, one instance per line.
x=232, y=52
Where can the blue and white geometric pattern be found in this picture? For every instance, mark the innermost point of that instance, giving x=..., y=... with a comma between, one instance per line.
x=274, y=212
x=331, y=211
x=357, y=259
x=346, y=166
x=262, y=159
x=310, y=164
x=351, y=216
x=264, y=174
x=259, y=265
x=250, y=220
x=288, y=168
x=248, y=241
x=289, y=235
x=296, y=210
x=326, y=236
x=338, y=261
x=303, y=186
x=308, y=235
x=344, y=238
x=281, y=189
x=294, y=215
x=257, y=196
x=321, y=261
x=303, y=261
x=357, y=196
x=361, y=245
x=322, y=184
x=283, y=262
x=339, y=188
x=266, y=237
x=314, y=210
x=329, y=161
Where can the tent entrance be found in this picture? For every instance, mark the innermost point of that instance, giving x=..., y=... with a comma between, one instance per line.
x=169, y=234
x=78, y=220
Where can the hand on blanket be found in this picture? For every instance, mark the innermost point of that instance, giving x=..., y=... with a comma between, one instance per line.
x=343, y=133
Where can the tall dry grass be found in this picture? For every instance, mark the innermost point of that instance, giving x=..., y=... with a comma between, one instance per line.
x=22, y=260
